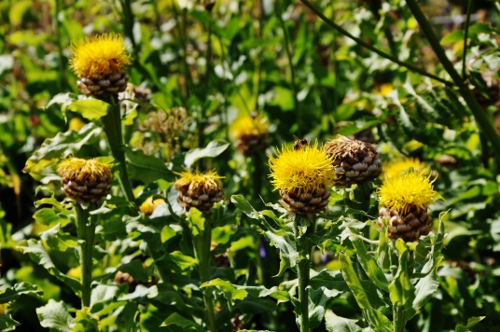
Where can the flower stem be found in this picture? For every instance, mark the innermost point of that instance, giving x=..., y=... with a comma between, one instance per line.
x=303, y=268
x=85, y=233
x=113, y=129
x=466, y=35
x=202, y=243
x=361, y=42
x=399, y=319
x=477, y=111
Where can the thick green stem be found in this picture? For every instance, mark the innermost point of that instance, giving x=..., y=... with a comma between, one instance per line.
x=303, y=268
x=399, y=319
x=477, y=111
x=85, y=233
x=113, y=129
x=361, y=42
x=202, y=244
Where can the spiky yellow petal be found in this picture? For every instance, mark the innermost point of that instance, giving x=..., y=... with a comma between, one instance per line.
x=396, y=167
x=198, y=182
x=411, y=189
x=100, y=55
x=300, y=171
x=199, y=190
x=82, y=170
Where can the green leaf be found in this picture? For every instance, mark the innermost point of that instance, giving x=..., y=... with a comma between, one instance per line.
x=261, y=291
x=375, y=317
x=336, y=323
x=318, y=299
x=453, y=37
x=196, y=221
x=136, y=270
x=369, y=264
x=90, y=109
x=7, y=323
x=103, y=294
x=424, y=290
x=56, y=239
x=167, y=233
x=12, y=293
x=289, y=256
x=183, y=261
x=402, y=291
x=282, y=97
x=5, y=235
x=85, y=322
x=146, y=168
x=231, y=292
x=40, y=256
x=213, y=149
x=182, y=322
x=470, y=323
x=54, y=315
x=61, y=146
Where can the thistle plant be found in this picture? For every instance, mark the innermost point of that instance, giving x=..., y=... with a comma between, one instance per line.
x=250, y=133
x=86, y=182
x=199, y=192
x=303, y=177
x=99, y=63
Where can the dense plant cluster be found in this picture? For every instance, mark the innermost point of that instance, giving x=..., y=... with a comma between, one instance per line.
x=263, y=165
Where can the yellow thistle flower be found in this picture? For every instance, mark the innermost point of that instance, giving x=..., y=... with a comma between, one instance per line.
x=300, y=171
x=100, y=55
x=406, y=191
x=200, y=190
x=396, y=167
x=85, y=181
x=248, y=125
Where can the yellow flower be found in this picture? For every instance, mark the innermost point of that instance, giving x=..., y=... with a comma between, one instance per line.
x=149, y=205
x=403, y=192
x=100, y=55
x=248, y=126
x=85, y=181
x=305, y=170
x=396, y=167
x=200, y=190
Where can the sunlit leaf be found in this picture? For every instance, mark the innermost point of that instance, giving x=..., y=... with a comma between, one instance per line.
x=213, y=149
x=54, y=315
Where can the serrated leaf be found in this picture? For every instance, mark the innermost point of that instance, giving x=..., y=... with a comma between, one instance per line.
x=7, y=323
x=40, y=256
x=146, y=168
x=54, y=315
x=289, y=256
x=470, y=323
x=56, y=239
x=12, y=293
x=85, y=322
x=424, y=290
x=61, y=146
x=318, y=299
x=231, y=292
x=182, y=322
x=136, y=270
x=213, y=149
x=90, y=109
x=103, y=294
x=196, y=221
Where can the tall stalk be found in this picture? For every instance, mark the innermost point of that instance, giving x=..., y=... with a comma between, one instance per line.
x=85, y=232
x=477, y=111
x=201, y=244
x=304, y=248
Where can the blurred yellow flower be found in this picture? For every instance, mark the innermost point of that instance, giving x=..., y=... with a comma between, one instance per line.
x=304, y=170
x=248, y=125
x=398, y=166
x=403, y=192
x=149, y=205
x=100, y=55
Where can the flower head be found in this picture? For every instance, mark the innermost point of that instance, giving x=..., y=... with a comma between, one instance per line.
x=100, y=55
x=248, y=125
x=85, y=181
x=396, y=167
x=407, y=191
x=300, y=171
x=200, y=190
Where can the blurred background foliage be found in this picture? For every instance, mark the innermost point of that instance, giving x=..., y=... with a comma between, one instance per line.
x=199, y=66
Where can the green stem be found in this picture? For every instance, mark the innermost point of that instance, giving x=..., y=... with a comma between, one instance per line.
x=202, y=244
x=477, y=111
x=466, y=36
x=370, y=47
x=399, y=319
x=113, y=129
x=303, y=268
x=292, y=70
x=85, y=233
x=57, y=32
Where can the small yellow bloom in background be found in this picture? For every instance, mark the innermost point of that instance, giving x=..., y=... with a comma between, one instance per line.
x=76, y=124
x=397, y=167
x=99, y=62
x=250, y=133
x=149, y=205
x=303, y=177
x=199, y=190
x=85, y=181
x=406, y=199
